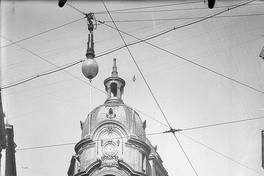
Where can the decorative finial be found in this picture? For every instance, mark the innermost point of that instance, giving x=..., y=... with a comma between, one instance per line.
x=114, y=86
x=114, y=72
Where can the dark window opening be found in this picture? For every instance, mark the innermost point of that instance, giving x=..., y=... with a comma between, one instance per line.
x=113, y=88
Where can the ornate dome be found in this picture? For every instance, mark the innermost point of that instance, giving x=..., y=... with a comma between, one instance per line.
x=114, y=140
x=114, y=111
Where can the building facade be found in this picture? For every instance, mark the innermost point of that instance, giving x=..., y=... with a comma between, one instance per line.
x=113, y=141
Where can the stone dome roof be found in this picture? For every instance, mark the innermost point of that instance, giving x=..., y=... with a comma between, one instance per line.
x=115, y=113
x=114, y=140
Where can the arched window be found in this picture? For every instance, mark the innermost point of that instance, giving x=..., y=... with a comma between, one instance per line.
x=144, y=167
x=113, y=88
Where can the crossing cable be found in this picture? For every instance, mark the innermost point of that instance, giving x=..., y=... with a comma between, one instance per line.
x=148, y=134
x=38, y=34
x=148, y=7
x=51, y=71
x=120, y=11
x=139, y=69
x=219, y=153
x=173, y=10
x=213, y=125
x=176, y=27
x=171, y=130
x=184, y=18
x=42, y=58
x=73, y=143
x=57, y=27
x=150, y=90
x=158, y=34
x=68, y=4
x=152, y=36
x=178, y=142
x=130, y=44
x=190, y=23
x=151, y=117
x=219, y=124
x=192, y=62
x=115, y=49
x=51, y=63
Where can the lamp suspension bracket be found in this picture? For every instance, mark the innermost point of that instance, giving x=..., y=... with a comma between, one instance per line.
x=90, y=66
x=90, y=44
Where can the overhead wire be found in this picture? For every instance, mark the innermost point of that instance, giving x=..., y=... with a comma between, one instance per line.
x=56, y=145
x=51, y=63
x=133, y=10
x=220, y=124
x=173, y=10
x=42, y=58
x=219, y=153
x=190, y=61
x=43, y=32
x=68, y=4
x=148, y=134
x=148, y=7
x=139, y=69
x=180, y=145
x=76, y=63
x=65, y=24
x=185, y=154
x=162, y=33
x=73, y=143
x=187, y=24
x=51, y=71
x=150, y=90
x=152, y=36
x=45, y=146
x=57, y=27
x=194, y=63
x=182, y=25
x=155, y=133
x=184, y=18
x=151, y=117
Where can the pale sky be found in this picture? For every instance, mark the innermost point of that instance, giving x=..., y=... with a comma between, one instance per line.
x=47, y=110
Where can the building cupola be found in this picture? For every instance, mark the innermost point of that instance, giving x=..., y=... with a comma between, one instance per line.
x=114, y=86
x=114, y=141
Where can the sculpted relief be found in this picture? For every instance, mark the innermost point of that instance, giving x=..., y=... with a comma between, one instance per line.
x=110, y=145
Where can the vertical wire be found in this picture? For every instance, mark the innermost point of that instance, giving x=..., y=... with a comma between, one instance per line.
x=133, y=98
x=133, y=93
x=132, y=57
x=90, y=98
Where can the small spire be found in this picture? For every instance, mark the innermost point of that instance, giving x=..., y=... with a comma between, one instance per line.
x=114, y=72
x=114, y=86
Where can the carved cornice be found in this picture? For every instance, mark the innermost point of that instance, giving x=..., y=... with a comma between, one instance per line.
x=125, y=166
x=83, y=142
x=89, y=169
x=101, y=125
x=137, y=142
x=158, y=163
